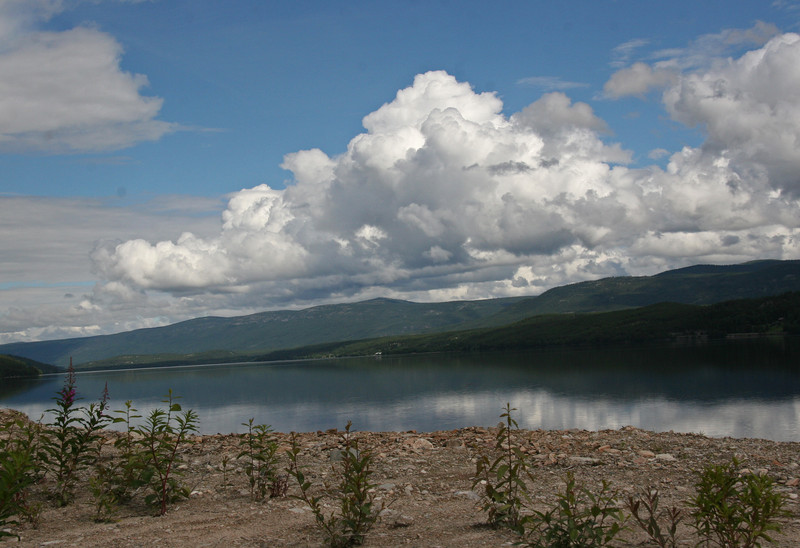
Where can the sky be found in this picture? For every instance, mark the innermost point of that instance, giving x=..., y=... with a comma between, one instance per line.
x=162, y=160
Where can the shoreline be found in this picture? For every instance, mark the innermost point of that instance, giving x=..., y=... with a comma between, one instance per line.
x=427, y=477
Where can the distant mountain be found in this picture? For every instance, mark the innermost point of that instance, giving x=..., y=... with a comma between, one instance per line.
x=269, y=331
x=701, y=284
x=266, y=331
x=758, y=318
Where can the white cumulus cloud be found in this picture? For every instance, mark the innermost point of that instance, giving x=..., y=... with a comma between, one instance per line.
x=750, y=110
x=443, y=196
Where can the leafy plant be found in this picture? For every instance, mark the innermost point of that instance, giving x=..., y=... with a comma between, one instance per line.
x=104, y=487
x=128, y=470
x=259, y=451
x=224, y=468
x=357, y=512
x=159, y=440
x=645, y=513
x=580, y=518
x=504, y=478
x=735, y=510
x=115, y=479
x=68, y=443
x=17, y=473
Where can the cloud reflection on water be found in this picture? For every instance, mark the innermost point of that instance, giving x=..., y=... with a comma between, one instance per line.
x=719, y=394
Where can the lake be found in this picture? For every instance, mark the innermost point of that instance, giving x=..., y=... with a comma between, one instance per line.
x=741, y=389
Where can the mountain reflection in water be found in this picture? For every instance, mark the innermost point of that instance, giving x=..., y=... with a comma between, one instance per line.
x=743, y=389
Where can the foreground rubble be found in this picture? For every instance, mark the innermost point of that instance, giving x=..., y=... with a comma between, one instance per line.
x=425, y=481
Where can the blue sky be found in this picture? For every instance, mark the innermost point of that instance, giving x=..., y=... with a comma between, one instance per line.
x=420, y=150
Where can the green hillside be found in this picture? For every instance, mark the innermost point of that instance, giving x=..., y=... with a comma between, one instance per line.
x=267, y=330
x=258, y=334
x=16, y=367
x=658, y=323
x=663, y=322
x=701, y=284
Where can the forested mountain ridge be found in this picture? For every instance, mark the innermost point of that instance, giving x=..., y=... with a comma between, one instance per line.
x=276, y=330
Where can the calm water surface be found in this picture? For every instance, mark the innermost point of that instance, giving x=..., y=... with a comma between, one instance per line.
x=748, y=389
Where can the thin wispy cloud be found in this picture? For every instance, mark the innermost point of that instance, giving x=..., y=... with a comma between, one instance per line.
x=712, y=47
x=622, y=54
x=550, y=83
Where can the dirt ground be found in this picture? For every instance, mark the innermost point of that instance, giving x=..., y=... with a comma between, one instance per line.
x=425, y=481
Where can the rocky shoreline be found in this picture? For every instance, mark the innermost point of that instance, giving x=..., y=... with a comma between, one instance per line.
x=425, y=479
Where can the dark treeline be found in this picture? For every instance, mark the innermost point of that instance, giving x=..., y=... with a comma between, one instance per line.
x=16, y=367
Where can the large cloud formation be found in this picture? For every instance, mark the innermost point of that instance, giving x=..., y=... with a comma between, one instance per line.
x=444, y=196
x=64, y=92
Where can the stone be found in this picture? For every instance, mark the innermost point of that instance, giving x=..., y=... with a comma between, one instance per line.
x=471, y=495
x=455, y=444
x=396, y=518
x=420, y=444
x=584, y=460
x=389, y=513
x=646, y=454
x=403, y=521
x=794, y=482
x=667, y=457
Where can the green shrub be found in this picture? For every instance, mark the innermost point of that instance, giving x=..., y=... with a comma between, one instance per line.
x=730, y=509
x=116, y=479
x=17, y=472
x=580, y=518
x=354, y=493
x=259, y=451
x=159, y=439
x=504, y=478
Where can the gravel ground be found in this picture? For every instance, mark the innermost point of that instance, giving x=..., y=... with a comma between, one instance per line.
x=425, y=479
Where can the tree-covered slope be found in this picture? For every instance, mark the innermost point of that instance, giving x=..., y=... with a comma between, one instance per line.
x=270, y=331
x=663, y=322
x=701, y=284
x=17, y=367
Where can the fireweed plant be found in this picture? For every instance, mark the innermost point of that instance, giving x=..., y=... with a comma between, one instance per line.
x=354, y=493
x=17, y=473
x=128, y=477
x=159, y=440
x=259, y=453
x=503, y=477
x=68, y=445
x=116, y=479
